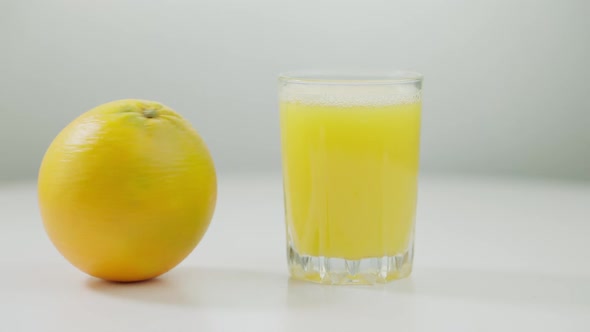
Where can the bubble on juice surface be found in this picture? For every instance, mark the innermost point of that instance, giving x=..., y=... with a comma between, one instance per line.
x=351, y=94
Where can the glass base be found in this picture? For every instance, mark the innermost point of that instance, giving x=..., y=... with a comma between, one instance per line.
x=339, y=271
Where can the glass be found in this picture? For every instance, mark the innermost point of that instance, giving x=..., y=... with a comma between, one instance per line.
x=350, y=150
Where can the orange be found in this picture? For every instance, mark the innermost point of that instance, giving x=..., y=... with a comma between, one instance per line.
x=127, y=190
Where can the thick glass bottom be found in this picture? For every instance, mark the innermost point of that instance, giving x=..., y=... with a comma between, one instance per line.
x=339, y=271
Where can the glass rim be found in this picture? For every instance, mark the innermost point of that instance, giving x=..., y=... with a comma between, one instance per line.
x=351, y=77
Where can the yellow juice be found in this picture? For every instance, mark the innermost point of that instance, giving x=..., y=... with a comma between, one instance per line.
x=350, y=177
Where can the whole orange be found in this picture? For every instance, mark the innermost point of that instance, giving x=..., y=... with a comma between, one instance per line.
x=127, y=190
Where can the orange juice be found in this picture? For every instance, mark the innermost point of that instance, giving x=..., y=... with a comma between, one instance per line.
x=350, y=176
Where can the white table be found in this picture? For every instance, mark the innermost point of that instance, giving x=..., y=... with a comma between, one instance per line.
x=492, y=254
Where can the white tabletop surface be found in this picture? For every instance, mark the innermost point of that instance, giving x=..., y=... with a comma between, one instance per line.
x=492, y=254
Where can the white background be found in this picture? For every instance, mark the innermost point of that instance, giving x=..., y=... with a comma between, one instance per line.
x=505, y=96
x=506, y=82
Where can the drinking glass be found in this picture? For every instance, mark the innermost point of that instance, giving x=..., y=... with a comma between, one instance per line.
x=350, y=150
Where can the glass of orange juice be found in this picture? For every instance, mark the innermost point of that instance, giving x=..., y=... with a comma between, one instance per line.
x=350, y=150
